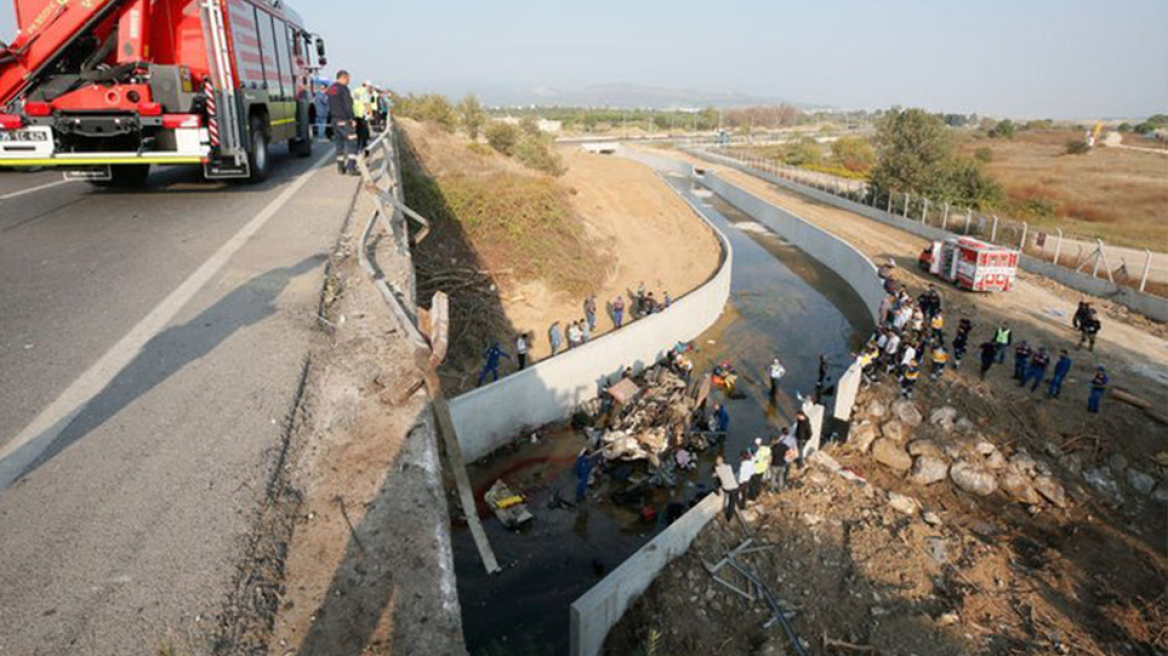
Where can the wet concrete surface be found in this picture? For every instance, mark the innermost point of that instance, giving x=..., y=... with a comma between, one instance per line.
x=782, y=303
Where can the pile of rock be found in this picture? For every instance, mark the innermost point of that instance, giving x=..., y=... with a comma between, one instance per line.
x=949, y=448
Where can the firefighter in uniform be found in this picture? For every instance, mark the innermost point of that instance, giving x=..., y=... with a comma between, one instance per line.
x=344, y=127
x=362, y=98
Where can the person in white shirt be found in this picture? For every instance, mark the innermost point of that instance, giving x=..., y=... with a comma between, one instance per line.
x=776, y=372
x=521, y=350
x=891, y=346
x=745, y=473
x=729, y=485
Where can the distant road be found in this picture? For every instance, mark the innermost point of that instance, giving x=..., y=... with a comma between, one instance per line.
x=151, y=344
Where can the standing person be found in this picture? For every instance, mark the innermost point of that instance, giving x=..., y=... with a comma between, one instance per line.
x=721, y=418
x=340, y=105
x=555, y=337
x=1022, y=360
x=1061, y=369
x=908, y=378
x=618, y=311
x=891, y=348
x=320, y=106
x=590, y=312
x=1098, y=387
x=776, y=372
x=910, y=353
x=940, y=360
x=728, y=483
x=640, y=309
x=575, y=337
x=361, y=115
x=1081, y=313
x=1037, y=369
x=989, y=355
x=521, y=350
x=1003, y=337
x=583, y=471
x=937, y=324
x=667, y=301
x=762, y=467
x=788, y=452
x=961, y=341
x=745, y=475
x=802, y=434
x=492, y=365
x=1088, y=329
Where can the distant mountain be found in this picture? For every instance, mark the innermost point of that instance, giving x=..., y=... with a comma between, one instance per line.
x=630, y=96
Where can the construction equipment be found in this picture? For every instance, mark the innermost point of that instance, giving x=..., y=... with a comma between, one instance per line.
x=104, y=89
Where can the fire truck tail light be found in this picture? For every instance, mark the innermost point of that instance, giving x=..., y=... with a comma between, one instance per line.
x=150, y=109
x=10, y=122
x=176, y=121
x=37, y=108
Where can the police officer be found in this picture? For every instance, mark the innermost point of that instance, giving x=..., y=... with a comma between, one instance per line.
x=340, y=102
x=1098, y=387
x=1061, y=369
x=1037, y=370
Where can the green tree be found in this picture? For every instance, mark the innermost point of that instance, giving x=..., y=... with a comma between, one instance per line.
x=984, y=155
x=806, y=152
x=1004, y=129
x=707, y=119
x=913, y=147
x=529, y=126
x=473, y=116
x=503, y=137
x=853, y=153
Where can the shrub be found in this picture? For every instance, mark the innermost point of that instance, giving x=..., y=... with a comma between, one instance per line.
x=1124, y=127
x=1077, y=147
x=429, y=107
x=473, y=116
x=1004, y=129
x=984, y=155
x=853, y=153
x=480, y=149
x=503, y=137
x=536, y=153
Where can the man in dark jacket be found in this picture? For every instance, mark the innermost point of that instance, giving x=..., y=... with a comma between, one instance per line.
x=340, y=103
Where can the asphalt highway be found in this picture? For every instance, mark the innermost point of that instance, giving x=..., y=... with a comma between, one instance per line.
x=151, y=343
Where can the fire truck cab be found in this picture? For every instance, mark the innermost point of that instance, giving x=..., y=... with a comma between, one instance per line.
x=105, y=89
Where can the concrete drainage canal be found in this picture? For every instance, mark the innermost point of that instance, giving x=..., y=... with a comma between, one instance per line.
x=782, y=303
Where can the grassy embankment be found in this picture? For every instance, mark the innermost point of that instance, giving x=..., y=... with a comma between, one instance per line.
x=496, y=223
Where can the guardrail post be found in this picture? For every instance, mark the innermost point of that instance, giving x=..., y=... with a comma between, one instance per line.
x=945, y=217
x=1147, y=267
x=1022, y=244
x=906, y=197
x=925, y=213
x=994, y=231
x=1058, y=245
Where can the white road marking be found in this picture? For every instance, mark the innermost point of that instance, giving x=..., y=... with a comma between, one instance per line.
x=47, y=185
x=40, y=434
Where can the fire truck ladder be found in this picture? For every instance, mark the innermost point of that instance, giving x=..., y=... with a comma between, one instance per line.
x=223, y=120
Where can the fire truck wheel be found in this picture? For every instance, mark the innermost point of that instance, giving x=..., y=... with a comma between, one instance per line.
x=127, y=176
x=258, y=158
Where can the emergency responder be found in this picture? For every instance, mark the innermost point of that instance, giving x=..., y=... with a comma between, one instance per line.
x=1088, y=329
x=940, y=359
x=1061, y=369
x=361, y=104
x=961, y=341
x=1003, y=337
x=908, y=378
x=1036, y=371
x=989, y=353
x=340, y=103
x=1022, y=355
x=1098, y=387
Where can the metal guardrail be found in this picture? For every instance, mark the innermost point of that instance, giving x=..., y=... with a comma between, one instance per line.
x=381, y=178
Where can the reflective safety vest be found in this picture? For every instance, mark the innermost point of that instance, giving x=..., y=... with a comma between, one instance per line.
x=361, y=102
x=762, y=459
x=1002, y=336
x=938, y=322
x=940, y=356
x=911, y=373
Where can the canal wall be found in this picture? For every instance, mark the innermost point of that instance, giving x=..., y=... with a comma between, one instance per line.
x=491, y=416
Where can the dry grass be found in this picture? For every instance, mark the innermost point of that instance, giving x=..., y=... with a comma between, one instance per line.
x=1120, y=196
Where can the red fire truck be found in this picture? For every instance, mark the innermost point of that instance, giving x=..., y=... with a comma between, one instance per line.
x=971, y=264
x=104, y=89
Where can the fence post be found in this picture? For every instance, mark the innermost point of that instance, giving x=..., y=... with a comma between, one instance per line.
x=1147, y=267
x=968, y=218
x=945, y=217
x=889, y=209
x=994, y=231
x=925, y=213
x=1098, y=257
x=906, y=197
x=1058, y=245
x=1022, y=244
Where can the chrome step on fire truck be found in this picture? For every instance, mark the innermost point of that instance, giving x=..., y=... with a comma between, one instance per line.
x=105, y=89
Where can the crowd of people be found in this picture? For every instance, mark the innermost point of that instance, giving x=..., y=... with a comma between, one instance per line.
x=765, y=464
x=912, y=334
x=565, y=336
x=351, y=116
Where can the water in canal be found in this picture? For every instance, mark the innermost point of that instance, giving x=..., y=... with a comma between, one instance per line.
x=781, y=303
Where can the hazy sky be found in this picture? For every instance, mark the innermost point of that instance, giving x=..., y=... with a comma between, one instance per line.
x=1023, y=58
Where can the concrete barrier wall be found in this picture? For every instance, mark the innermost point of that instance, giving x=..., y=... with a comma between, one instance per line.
x=599, y=609
x=490, y=416
x=1148, y=305
x=835, y=253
